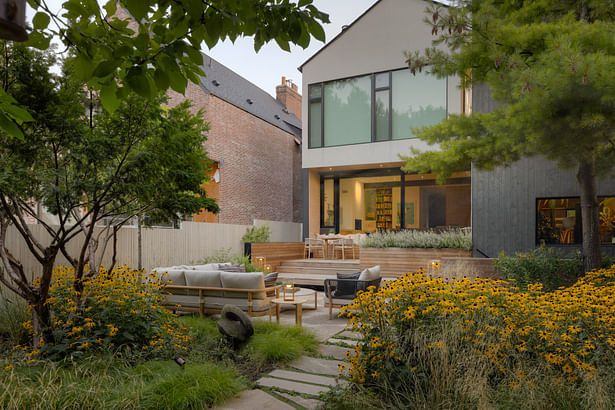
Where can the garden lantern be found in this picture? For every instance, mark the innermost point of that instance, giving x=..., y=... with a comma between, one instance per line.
x=289, y=292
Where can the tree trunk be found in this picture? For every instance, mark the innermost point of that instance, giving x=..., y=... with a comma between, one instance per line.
x=589, y=215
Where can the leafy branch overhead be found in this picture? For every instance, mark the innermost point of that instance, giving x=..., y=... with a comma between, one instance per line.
x=149, y=46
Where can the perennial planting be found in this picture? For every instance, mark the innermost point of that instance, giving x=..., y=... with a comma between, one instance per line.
x=424, y=333
x=121, y=309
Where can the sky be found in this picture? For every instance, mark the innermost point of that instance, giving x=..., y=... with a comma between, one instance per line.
x=266, y=68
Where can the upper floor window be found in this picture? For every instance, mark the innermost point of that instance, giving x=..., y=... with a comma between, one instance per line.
x=375, y=107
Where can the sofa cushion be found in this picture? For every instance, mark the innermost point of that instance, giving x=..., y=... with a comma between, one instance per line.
x=370, y=273
x=243, y=280
x=173, y=277
x=343, y=287
x=205, y=279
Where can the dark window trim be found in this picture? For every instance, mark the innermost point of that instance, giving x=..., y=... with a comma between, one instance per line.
x=372, y=75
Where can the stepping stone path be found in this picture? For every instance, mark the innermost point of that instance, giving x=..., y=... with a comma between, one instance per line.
x=309, y=375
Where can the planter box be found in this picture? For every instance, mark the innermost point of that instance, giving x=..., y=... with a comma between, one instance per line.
x=394, y=262
x=458, y=268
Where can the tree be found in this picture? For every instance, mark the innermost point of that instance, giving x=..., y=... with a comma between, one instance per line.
x=148, y=46
x=550, y=66
x=143, y=158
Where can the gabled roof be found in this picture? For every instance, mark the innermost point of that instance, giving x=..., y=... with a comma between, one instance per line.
x=345, y=28
x=229, y=86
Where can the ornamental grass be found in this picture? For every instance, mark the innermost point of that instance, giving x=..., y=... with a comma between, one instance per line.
x=484, y=343
x=411, y=238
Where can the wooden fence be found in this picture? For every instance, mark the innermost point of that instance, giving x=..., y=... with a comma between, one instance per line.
x=394, y=262
x=275, y=252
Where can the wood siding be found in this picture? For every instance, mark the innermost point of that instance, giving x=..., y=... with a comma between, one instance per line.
x=275, y=252
x=504, y=200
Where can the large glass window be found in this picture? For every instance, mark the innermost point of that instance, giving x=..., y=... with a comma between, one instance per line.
x=315, y=116
x=558, y=220
x=375, y=107
x=418, y=101
x=347, y=111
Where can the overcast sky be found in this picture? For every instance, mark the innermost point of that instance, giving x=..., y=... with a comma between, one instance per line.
x=266, y=68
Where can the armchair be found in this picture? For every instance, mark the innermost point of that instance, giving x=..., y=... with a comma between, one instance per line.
x=340, y=292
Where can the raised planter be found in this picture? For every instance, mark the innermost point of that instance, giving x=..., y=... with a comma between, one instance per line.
x=394, y=262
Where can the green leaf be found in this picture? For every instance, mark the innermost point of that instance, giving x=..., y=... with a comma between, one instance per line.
x=105, y=68
x=10, y=127
x=17, y=113
x=108, y=97
x=161, y=79
x=110, y=7
x=38, y=40
x=138, y=8
x=138, y=80
x=41, y=20
x=283, y=44
x=317, y=31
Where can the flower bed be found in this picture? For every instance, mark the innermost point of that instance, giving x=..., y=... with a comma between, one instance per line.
x=484, y=343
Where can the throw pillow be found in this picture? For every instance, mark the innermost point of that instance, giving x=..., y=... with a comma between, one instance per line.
x=370, y=273
x=270, y=280
x=346, y=288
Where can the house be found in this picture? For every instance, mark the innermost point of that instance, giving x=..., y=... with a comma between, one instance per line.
x=362, y=102
x=254, y=142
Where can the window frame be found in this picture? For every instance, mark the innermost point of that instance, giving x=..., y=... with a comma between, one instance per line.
x=373, y=91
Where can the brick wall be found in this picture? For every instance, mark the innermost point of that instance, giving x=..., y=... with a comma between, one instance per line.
x=259, y=164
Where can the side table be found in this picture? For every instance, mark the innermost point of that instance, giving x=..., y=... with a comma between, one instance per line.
x=298, y=303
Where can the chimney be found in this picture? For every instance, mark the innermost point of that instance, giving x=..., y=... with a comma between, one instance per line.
x=287, y=94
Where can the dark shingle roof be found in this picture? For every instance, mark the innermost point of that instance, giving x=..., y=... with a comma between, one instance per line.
x=229, y=86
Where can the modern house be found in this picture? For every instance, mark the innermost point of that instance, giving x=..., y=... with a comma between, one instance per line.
x=362, y=103
x=254, y=142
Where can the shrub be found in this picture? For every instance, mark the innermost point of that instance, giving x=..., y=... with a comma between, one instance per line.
x=453, y=238
x=119, y=310
x=255, y=234
x=541, y=265
x=226, y=255
x=548, y=266
x=483, y=343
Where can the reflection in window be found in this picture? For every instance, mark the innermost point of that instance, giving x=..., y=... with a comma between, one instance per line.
x=418, y=101
x=315, y=116
x=347, y=111
x=328, y=214
x=558, y=220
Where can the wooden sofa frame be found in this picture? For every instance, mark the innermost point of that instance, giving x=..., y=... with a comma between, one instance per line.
x=202, y=310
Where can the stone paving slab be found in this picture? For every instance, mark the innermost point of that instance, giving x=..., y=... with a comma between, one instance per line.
x=310, y=404
x=305, y=377
x=251, y=399
x=346, y=341
x=337, y=352
x=289, y=385
x=317, y=366
x=351, y=335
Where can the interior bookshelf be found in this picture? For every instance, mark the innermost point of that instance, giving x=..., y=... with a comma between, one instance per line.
x=384, y=209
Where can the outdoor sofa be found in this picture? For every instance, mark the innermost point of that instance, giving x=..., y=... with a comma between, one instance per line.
x=342, y=290
x=207, y=288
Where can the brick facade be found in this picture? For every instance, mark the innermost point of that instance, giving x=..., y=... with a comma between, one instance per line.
x=259, y=164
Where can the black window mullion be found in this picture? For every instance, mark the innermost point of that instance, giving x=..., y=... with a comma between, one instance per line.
x=373, y=110
x=322, y=115
x=390, y=105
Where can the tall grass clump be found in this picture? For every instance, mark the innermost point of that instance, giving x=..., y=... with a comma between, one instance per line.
x=13, y=313
x=110, y=383
x=429, y=343
x=452, y=238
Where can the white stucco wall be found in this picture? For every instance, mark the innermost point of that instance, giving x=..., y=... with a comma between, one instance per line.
x=375, y=42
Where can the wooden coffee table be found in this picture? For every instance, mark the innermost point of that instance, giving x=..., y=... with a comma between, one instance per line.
x=306, y=293
x=297, y=303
